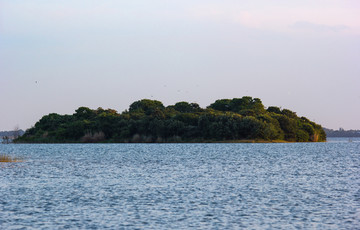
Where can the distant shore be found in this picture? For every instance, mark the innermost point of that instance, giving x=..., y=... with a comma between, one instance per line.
x=249, y=141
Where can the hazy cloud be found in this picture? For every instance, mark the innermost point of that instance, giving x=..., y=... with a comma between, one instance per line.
x=304, y=25
x=110, y=53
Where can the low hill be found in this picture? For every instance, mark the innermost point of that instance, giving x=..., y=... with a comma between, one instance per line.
x=342, y=133
x=8, y=136
x=225, y=120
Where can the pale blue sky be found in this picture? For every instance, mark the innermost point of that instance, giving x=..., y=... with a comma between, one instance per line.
x=302, y=55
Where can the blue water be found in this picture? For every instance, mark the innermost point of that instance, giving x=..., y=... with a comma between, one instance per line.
x=181, y=186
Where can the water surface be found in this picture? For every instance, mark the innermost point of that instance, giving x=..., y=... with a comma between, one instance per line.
x=181, y=186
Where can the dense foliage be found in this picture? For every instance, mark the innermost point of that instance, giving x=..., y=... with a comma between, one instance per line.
x=150, y=121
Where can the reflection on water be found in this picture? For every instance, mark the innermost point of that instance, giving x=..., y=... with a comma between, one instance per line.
x=181, y=186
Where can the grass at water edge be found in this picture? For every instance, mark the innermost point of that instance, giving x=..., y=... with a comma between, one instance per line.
x=7, y=159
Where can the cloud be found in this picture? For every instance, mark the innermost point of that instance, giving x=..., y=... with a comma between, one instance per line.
x=336, y=18
x=304, y=25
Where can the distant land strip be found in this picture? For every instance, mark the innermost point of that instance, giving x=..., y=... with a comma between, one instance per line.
x=342, y=133
x=149, y=121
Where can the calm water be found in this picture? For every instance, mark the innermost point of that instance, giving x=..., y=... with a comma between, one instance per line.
x=181, y=186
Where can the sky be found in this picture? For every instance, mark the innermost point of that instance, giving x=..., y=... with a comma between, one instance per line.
x=56, y=56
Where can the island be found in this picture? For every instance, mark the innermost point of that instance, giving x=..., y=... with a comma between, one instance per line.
x=148, y=121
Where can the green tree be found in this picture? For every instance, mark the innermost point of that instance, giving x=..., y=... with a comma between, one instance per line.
x=183, y=107
x=146, y=105
x=84, y=113
x=149, y=121
x=274, y=109
x=289, y=113
x=250, y=127
x=221, y=105
x=288, y=125
x=247, y=103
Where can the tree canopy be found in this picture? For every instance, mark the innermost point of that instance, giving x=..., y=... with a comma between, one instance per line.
x=150, y=121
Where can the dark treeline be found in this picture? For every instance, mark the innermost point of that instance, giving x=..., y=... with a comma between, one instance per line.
x=150, y=121
x=342, y=133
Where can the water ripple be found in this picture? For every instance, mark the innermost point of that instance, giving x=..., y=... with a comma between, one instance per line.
x=181, y=186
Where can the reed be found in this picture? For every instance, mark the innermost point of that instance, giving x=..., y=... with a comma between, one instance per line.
x=5, y=158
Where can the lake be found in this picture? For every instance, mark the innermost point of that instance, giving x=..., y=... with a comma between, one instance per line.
x=181, y=186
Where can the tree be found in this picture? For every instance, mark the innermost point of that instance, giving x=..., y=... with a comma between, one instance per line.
x=85, y=113
x=302, y=136
x=16, y=132
x=250, y=127
x=274, y=109
x=289, y=113
x=288, y=125
x=247, y=103
x=221, y=105
x=185, y=107
x=6, y=139
x=145, y=105
x=149, y=121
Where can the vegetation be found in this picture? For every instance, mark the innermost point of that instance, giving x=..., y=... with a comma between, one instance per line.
x=226, y=120
x=7, y=159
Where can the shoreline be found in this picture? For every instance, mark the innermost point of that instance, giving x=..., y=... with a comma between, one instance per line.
x=241, y=141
